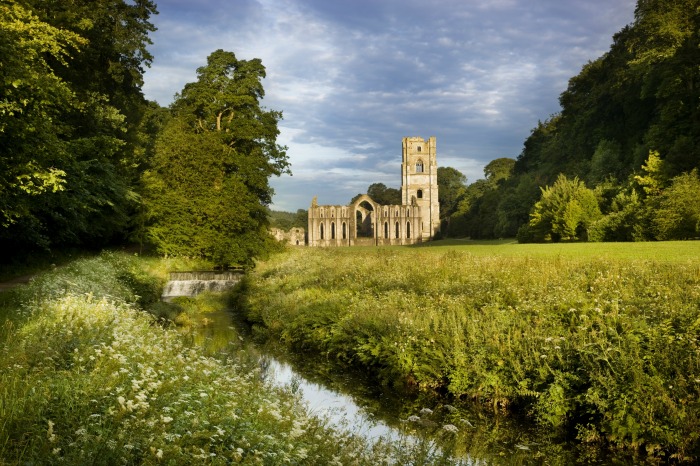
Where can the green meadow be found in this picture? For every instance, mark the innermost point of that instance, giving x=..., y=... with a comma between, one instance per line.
x=88, y=377
x=597, y=341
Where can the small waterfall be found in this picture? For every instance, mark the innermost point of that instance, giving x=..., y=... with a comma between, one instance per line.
x=193, y=283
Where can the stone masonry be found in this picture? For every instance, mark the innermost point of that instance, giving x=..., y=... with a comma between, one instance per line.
x=365, y=222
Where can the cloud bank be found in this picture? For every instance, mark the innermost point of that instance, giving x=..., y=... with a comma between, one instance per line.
x=354, y=77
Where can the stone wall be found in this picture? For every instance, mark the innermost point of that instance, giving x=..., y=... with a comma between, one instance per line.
x=364, y=222
x=295, y=236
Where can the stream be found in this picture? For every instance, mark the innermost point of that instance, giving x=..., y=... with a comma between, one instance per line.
x=352, y=401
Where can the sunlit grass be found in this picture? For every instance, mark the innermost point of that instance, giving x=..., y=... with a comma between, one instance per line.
x=600, y=341
x=671, y=251
x=87, y=377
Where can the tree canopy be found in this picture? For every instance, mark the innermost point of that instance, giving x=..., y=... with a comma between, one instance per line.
x=71, y=105
x=208, y=189
x=629, y=126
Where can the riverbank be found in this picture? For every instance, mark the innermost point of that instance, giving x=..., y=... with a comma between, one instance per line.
x=600, y=346
x=88, y=377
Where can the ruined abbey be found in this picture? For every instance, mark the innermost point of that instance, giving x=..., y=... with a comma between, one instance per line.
x=365, y=222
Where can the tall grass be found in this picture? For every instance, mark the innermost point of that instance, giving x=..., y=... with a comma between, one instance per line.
x=86, y=377
x=603, y=345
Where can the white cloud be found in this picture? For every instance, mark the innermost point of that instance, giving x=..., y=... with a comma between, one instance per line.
x=353, y=78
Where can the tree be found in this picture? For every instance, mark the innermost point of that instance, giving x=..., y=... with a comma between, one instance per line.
x=565, y=211
x=33, y=101
x=451, y=186
x=69, y=163
x=655, y=177
x=208, y=191
x=499, y=169
x=678, y=212
x=384, y=195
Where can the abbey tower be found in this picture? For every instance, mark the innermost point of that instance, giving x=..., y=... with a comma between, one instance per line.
x=366, y=222
x=419, y=181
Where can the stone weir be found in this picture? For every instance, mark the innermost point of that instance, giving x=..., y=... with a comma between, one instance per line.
x=193, y=283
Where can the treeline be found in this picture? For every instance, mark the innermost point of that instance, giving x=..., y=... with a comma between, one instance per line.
x=619, y=161
x=87, y=161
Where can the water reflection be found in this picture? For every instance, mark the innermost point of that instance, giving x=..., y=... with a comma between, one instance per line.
x=353, y=401
x=339, y=408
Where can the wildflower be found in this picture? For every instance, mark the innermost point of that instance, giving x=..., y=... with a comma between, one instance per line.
x=450, y=408
x=451, y=428
x=166, y=419
x=159, y=454
x=414, y=418
x=51, y=436
x=56, y=451
x=426, y=411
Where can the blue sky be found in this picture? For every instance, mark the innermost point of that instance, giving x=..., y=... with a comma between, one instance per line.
x=353, y=77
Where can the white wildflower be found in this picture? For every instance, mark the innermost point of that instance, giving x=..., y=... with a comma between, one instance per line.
x=451, y=428
x=50, y=435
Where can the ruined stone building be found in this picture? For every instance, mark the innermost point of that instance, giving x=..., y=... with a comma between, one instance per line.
x=295, y=236
x=365, y=222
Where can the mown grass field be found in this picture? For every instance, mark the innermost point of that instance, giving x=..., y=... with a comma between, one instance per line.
x=598, y=341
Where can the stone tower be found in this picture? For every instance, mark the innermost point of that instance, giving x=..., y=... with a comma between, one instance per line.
x=419, y=182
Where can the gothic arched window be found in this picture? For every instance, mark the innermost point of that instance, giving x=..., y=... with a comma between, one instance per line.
x=419, y=166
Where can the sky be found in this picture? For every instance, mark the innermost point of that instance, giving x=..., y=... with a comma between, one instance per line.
x=353, y=77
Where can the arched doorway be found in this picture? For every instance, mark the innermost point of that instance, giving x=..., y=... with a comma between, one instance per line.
x=364, y=220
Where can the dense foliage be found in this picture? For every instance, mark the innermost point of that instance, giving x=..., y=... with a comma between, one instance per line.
x=382, y=194
x=207, y=191
x=597, y=344
x=87, y=161
x=69, y=120
x=87, y=377
x=287, y=220
x=639, y=100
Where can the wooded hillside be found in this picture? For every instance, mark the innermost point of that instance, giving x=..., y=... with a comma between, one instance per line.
x=629, y=118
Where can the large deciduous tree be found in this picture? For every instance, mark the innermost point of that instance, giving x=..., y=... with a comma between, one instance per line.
x=208, y=190
x=33, y=101
x=452, y=185
x=71, y=78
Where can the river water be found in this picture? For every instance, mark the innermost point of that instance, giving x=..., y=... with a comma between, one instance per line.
x=353, y=401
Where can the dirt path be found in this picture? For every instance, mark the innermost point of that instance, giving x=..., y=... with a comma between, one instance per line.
x=6, y=285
